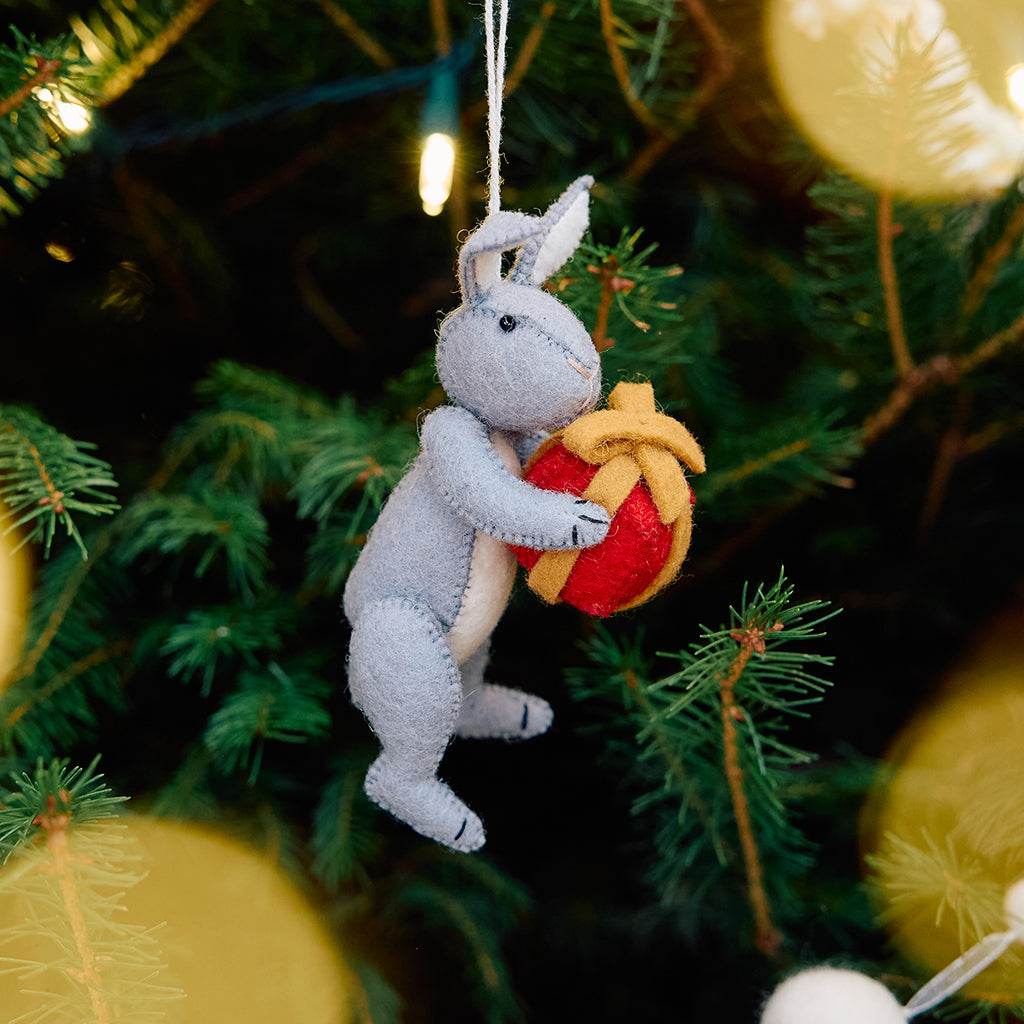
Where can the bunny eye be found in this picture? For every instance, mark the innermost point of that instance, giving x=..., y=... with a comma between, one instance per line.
x=507, y=323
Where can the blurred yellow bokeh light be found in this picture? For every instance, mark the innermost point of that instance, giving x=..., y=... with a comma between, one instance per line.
x=1015, y=86
x=232, y=932
x=946, y=830
x=835, y=69
x=240, y=940
x=14, y=594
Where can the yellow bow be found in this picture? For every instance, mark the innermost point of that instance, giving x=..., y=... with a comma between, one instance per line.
x=630, y=441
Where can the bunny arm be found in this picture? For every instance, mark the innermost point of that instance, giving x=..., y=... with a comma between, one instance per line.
x=470, y=476
x=526, y=444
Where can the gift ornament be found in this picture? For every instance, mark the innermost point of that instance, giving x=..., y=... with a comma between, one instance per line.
x=629, y=459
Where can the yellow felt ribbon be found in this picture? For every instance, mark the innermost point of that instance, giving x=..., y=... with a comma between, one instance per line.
x=631, y=441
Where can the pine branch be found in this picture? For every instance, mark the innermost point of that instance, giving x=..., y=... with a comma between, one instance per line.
x=720, y=59
x=931, y=877
x=58, y=610
x=991, y=348
x=793, y=454
x=712, y=760
x=260, y=429
x=73, y=667
x=47, y=71
x=255, y=423
x=82, y=791
x=353, y=450
x=58, y=681
x=45, y=477
x=479, y=904
x=213, y=640
x=985, y=274
x=214, y=524
x=720, y=56
x=234, y=386
x=441, y=24
x=187, y=795
x=991, y=434
x=605, y=285
x=373, y=49
x=939, y=370
x=887, y=230
x=720, y=62
x=227, y=430
x=344, y=841
x=620, y=67
x=334, y=548
x=383, y=1005
x=268, y=704
x=949, y=450
x=755, y=684
x=890, y=283
x=677, y=778
x=751, y=640
x=34, y=77
x=955, y=445
x=69, y=868
x=96, y=40
x=925, y=376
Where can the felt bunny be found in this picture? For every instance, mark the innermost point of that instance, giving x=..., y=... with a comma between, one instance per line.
x=435, y=575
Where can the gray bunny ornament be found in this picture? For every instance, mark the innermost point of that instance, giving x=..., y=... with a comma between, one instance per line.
x=436, y=572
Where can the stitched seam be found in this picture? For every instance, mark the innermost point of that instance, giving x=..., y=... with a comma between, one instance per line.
x=548, y=337
x=553, y=342
x=431, y=621
x=489, y=526
x=515, y=539
x=466, y=551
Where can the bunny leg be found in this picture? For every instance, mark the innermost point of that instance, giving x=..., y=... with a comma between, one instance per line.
x=404, y=679
x=490, y=711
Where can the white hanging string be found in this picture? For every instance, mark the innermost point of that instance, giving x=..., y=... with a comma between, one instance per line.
x=495, y=90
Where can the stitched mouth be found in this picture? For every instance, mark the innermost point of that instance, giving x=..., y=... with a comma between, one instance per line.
x=579, y=368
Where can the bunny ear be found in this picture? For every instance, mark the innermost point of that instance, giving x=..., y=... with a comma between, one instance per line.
x=480, y=257
x=561, y=229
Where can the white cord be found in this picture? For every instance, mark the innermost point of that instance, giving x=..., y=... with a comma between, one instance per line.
x=959, y=972
x=495, y=90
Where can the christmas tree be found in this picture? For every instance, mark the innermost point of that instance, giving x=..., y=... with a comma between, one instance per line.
x=222, y=289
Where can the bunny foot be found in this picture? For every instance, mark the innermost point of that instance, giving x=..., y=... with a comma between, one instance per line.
x=498, y=712
x=428, y=806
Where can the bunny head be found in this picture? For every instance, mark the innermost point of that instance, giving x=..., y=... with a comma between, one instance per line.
x=512, y=354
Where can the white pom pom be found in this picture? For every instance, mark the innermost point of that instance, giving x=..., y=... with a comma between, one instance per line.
x=830, y=995
x=1013, y=908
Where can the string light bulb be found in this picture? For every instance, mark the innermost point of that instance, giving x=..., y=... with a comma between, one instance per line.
x=71, y=116
x=75, y=118
x=437, y=169
x=1015, y=86
x=439, y=127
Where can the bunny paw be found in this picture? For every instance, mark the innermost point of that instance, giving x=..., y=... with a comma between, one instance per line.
x=427, y=805
x=498, y=712
x=590, y=525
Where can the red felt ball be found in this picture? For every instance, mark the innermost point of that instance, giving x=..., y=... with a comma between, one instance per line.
x=611, y=574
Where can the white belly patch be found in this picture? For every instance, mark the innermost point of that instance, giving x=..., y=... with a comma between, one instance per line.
x=492, y=571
